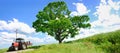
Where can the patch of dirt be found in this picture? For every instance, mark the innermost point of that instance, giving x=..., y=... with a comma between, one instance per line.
x=19, y=51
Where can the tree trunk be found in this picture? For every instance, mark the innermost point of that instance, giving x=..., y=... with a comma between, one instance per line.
x=60, y=41
x=59, y=38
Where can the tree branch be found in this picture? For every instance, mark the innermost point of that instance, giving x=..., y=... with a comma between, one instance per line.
x=64, y=37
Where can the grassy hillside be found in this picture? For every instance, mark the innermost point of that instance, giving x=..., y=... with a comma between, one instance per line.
x=99, y=43
x=109, y=42
x=79, y=47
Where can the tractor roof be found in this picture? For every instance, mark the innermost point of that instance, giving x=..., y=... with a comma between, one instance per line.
x=19, y=39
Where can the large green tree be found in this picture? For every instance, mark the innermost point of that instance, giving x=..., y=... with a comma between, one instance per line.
x=55, y=19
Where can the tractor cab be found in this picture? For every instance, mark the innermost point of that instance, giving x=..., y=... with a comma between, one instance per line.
x=19, y=40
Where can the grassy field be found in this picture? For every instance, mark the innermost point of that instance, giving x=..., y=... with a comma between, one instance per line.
x=3, y=50
x=99, y=43
x=80, y=47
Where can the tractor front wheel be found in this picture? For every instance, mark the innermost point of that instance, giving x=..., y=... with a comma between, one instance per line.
x=11, y=48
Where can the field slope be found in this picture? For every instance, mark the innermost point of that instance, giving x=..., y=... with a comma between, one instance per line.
x=99, y=43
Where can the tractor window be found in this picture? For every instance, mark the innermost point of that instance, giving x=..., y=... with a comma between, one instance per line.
x=19, y=40
x=22, y=41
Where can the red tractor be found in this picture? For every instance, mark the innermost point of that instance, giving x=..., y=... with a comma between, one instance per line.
x=19, y=44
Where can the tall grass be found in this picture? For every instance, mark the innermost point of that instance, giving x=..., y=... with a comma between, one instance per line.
x=107, y=41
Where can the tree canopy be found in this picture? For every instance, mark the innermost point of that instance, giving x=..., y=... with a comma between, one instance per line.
x=55, y=19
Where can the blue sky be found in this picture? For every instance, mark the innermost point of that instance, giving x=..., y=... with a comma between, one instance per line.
x=19, y=14
x=27, y=9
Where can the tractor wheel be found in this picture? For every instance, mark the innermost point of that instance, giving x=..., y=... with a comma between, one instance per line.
x=24, y=46
x=16, y=48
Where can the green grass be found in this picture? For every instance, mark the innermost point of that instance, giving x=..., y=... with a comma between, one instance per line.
x=3, y=50
x=79, y=47
x=107, y=41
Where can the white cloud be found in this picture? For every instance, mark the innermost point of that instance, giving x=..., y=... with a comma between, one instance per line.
x=81, y=9
x=15, y=24
x=84, y=33
x=7, y=33
x=114, y=5
x=103, y=1
x=107, y=21
x=105, y=16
